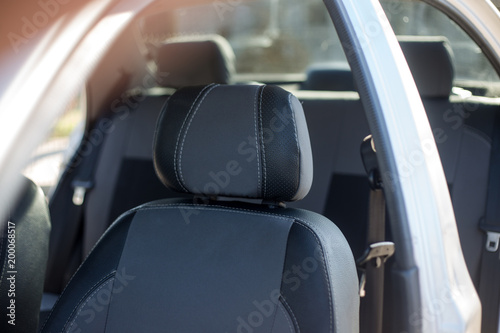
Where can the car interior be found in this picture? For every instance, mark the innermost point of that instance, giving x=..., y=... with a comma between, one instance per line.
x=193, y=176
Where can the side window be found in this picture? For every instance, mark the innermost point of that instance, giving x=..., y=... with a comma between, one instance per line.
x=51, y=156
x=472, y=68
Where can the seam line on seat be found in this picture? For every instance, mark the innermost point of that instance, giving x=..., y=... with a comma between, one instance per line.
x=332, y=305
x=212, y=86
x=178, y=138
x=107, y=277
x=242, y=211
x=295, y=130
x=110, y=228
x=256, y=117
x=261, y=134
x=148, y=206
x=87, y=300
x=281, y=307
x=291, y=312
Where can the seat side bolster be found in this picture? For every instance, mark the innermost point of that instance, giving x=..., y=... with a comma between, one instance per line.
x=96, y=272
x=335, y=256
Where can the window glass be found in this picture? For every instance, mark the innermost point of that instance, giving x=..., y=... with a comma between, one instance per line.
x=52, y=155
x=420, y=19
x=287, y=36
x=267, y=36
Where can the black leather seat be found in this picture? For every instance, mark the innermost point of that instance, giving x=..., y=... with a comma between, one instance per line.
x=24, y=242
x=237, y=262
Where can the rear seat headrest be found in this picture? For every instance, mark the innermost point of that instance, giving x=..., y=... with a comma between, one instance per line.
x=429, y=59
x=246, y=141
x=195, y=60
x=330, y=77
x=430, y=62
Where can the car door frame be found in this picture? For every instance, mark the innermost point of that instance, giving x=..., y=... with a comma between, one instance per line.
x=432, y=274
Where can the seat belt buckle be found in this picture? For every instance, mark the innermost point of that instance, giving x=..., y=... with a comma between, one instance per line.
x=492, y=241
x=379, y=252
x=80, y=188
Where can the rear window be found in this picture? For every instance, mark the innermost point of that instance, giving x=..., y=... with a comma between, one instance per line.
x=288, y=36
x=267, y=36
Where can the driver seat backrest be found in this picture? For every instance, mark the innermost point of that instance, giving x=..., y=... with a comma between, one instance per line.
x=235, y=259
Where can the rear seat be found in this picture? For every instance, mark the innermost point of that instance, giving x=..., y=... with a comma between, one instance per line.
x=464, y=148
x=124, y=175
x=329, y=76
x=462, y=126
x=337, y=125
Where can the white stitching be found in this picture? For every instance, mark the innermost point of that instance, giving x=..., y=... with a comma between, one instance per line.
x=179, y=135
x=296, y=136
x=324, y=254
x=242, y=211
x=187, y=128
x=302, y=223
x=259, y=185
x=263, y=148
x=291, y=312
x=108, y=278
x=287, y=316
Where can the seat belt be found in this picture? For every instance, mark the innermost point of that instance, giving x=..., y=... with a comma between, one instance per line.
x=371, y=263
x=489, y=282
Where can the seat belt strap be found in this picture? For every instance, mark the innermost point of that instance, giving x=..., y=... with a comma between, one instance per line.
x=489, y=283
x=371, y=263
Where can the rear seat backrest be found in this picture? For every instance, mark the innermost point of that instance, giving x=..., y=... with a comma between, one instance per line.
x=464, y=150
x=124, y=176
x=329, y=76
x=461, y=127
x=337, y=125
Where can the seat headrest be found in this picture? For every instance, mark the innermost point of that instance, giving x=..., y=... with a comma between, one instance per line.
x=330, y=77
x=430, y=62
x=245, y=141
x=195, y=60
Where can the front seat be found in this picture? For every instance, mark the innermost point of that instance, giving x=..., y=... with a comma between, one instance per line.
x=233, y=258
x=24, y=246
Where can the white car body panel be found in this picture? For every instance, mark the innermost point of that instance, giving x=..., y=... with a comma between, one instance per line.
x=448, y=297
